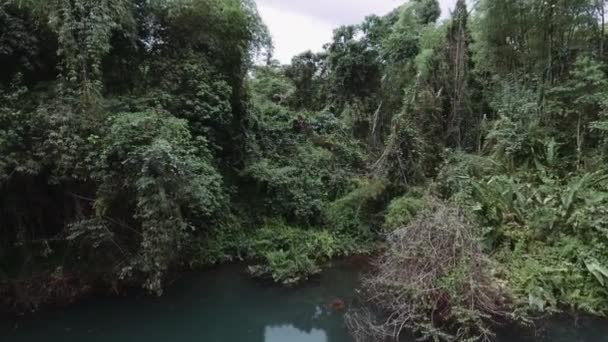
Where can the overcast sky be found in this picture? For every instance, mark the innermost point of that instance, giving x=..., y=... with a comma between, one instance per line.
x=300, y=25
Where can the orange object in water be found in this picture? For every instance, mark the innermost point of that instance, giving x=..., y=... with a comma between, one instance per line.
x=337, y=305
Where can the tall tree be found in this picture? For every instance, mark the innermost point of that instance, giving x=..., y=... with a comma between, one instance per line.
x=458, y=68
x=427, y=11
x=307, y=71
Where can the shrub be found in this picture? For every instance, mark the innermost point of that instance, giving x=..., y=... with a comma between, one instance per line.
x=294, y=188
x=458, y=171
x=289, y=255
x=151, y=166
x=225, y=242
x=550, y=232
x=401, y=211
x=567, y=274
x=433, y=279
x=286, y=254
x=358, y=212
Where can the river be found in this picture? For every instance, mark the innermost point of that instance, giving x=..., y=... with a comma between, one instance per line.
x=225, y=305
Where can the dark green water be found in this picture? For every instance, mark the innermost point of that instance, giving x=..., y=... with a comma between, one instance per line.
x=224, y=305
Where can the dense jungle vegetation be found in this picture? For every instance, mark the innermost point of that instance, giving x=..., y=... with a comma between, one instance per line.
x=142, y=137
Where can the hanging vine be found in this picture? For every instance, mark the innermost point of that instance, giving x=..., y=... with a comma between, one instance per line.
x=84, y=29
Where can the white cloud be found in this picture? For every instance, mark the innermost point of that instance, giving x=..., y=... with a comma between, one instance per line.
x=294, y=33
x=300, y=25
x=334, y=12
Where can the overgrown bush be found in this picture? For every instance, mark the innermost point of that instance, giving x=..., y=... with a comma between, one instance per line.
x=300, y=161
x=289, y=254
x=568, y=274
x=403, y=160
x=284, y=253
x=92, y=154
x=551, y=234
x=458, y=171
x=359, y=212
x=434, y=279
x=402, y=210
x=226, y=241
x=296, y=188
x=151, y=165
x=548, y=228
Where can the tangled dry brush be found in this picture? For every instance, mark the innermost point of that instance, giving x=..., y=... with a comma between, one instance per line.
x=433, y=281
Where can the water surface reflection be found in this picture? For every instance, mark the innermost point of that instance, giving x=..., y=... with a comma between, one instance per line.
x=290, y=333
x=225, y=305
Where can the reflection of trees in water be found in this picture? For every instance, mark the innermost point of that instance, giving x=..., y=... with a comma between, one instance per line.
x=224, y=305
x=227, y=306
x=252, y=307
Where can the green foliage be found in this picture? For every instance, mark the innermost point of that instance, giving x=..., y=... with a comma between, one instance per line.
x=432, y=40
x=357, y=213
x=576, y=103
x=354, y=69
x=27, y=46
x=227, y=241
x=549, y=232
x=206, y=105
x=307, y=73
x=194, y=23
x=538, y=195
x=403, y=42
x=402, y=210
x=14, y=132
x=284, y=253
x=525, y=35
x=562, y=275
x=542, y=206
x=156, y=145
x=516, y=136
x=84, y=30
x=291, y=254
x=97, y=140
x=301, y=161
x=150, y=163
x=270, y=85
x=459, y=171
x=405, y=156
x=295, y=190
x=427, y=11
